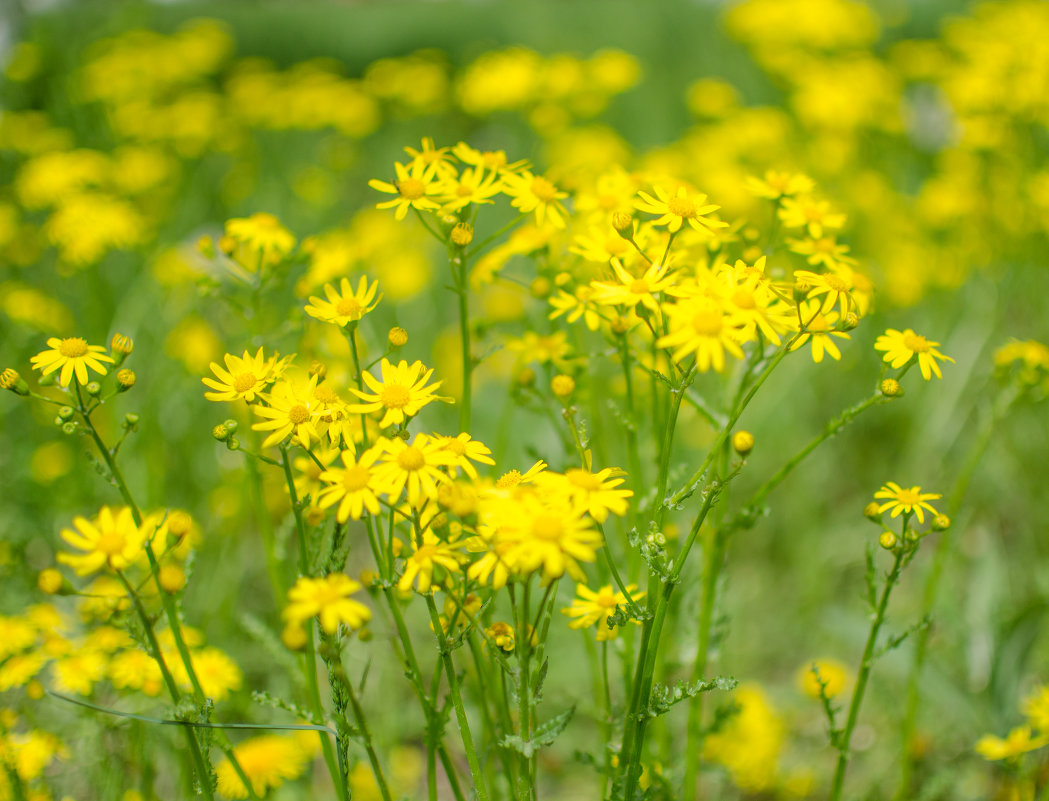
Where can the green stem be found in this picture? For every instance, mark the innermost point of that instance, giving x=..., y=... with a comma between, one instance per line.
x=862, y=676
x=462, y=288
x=633, y=453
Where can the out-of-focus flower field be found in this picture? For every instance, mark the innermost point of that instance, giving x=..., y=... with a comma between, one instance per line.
x=475, y=401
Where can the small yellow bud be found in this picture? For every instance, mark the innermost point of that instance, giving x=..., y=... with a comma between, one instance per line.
x=49, y=581
x=10, y=379
x=227, y=244
x=540, y=287
x=180, y=523
x=440, y=520
x=870, y=511
x=293, y=637
x=562, y=386
x=743, y=442
x=319, y=369
x=121, y=344
x=891, y=388
x=126, y=379
x=462, y=234
x=397, y=337
x=849, y=321
x=887, y=540
x=620, y=325
x=171, y=578
x=220, y=432
x=623, y=223
x=563, y=278
x=368, y=578
x=449, y=221
x=941, y=523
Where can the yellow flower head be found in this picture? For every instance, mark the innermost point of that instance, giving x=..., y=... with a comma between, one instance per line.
x=818, y=327
x=327, y=598
x=292, y=409
x=591, y=608
x=832, y=674
x=681, y=207
x=401, y=393
x=353, y=486
x=243, y=378
x=416, y=467
x=428, y=555
x=268, y=761
x=74, y=356
x=260, y=239
x=112, y=540
x=701, y=327
x=535, y=193
x=911, y=501
x=345, y=305
x=902, y=346
x=1018, y=742
x=414, y=189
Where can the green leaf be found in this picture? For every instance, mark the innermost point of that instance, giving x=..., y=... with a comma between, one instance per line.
x=543, y=736
x=663, y=698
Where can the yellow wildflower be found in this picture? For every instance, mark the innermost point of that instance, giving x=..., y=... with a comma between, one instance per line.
x=73, y=356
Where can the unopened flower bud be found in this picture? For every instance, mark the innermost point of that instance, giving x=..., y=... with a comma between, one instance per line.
x=125, y=379
x=220, y=432
x=50, y=581
x=65, y=413
x=912, y=535
x=849, y=321
x=10, y=379
x=121, y=344
x=231, y=425
x=941, y=523
x=449, y=221
x=131, y=421
x=623, y=223
x=562, y=386
x=313, y=515
x=179, y=524
x=743, y=442
x=69, y=428
x=462, y=234
x=319, y=369
x=171, y=578
x=540, y=287
x=94, y=389
x=887, y=540
x=891, y=388
x=397, y=337
x=620, y=325
x=293, y=637
x=871, y=512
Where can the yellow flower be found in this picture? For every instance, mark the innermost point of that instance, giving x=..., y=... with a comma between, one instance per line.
x=292, y=408
x=680, y=208
x=750, y=742
x=835, y=287
x=466, y=451
x=326, y=598
x=580, y=304
x=344, y=306
x=268, y=761
x=776, y=185
x=243, y=378
x=432, y=159
x=631, y=290
x=416, y=467
x=596, y=607
x=833, y=674
x=535, y=193
x=512, y=478
x=111, y=540
x=902, y=346
x=352, y=486
x=72, y=355
x=262, y=236
x=217, y=673
x=413, y=188
x=819, y=328
x=700, y=326
x=811, y=214
x=911, y=501
x=427, y=555
x=472, y=186
x=1036, y=708
x=599, y=493
x=1019, y=741
x=402, y=392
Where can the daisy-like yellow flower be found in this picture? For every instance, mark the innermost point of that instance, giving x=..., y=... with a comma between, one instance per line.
x=819, y=328
x=591, y=607
x=599, y=493
x=414, y=188
x=263, y=236
x=112, y=540
x=401, y=393
x=752, y=303
x=352, y=486
x=428, y=555
x=823, y=251
x=432, y=159
x=416, y=467
x=268, y=761
x=1018, y=742
x=574, y=306
x=473, y=185
x=837, y=289
x=489, y=159
x=217, y=672
x=73, y=356
x=292, y=409
x=681, y=207
x=911, y=501
x=466, y=451
x=534, y=193
x=344, y=305
x=631, y=290
x=243, y=378
x=513, y=478
x=776, y=185
x=902, y=346
x=813, y=215
x=1036, y=708
x=327, y=598
x=700, y=326
x=834, y=674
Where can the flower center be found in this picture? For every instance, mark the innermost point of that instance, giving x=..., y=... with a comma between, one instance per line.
x=744, y=299
x=411, y=188
x=494, y=160
x=325, y=395
x=244, y=381
x=456, y=446
x=509, y=480
x=73, y=347
x=395, y=396
x=411, y=459
x=916, y=343
x=813, y=213
x=707, y=323
x=462, y=190
x=356, y=478
x=835, y=283
x=818, y=325
x=681, y=207
x=607, y=599
x=298, y=414
x=547, y=527
x=638, y=286
x=348, y=307
x=111, y=543
x=907, y=497
x=544, y=190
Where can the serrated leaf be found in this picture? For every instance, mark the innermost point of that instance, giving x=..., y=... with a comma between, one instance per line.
x=663, y=698
x=543, y=736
